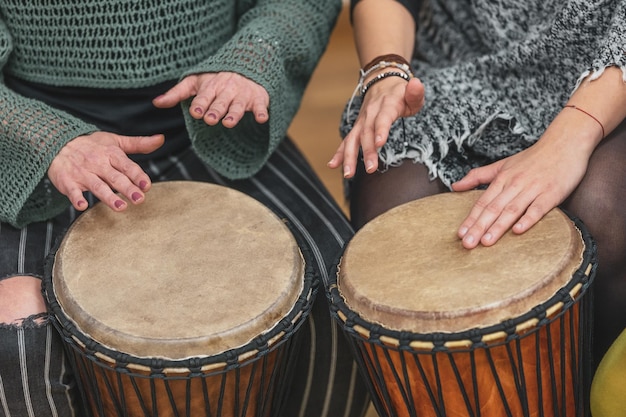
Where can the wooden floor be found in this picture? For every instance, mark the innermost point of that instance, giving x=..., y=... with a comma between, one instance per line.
x=316, y=126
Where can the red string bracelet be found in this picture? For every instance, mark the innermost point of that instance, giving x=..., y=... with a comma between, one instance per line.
x=588, y=114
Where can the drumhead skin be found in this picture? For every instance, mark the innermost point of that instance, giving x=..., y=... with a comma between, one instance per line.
x=194, y=271
x=408, y=271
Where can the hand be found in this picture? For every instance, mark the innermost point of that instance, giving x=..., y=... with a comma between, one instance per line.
x=224, y=96
x=526, y=186
x=385, y=102
x=99, y=163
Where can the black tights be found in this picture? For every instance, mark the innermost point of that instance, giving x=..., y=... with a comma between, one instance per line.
x=599, y=201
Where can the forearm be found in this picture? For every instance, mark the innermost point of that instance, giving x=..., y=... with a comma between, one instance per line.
x=382, y=27
x=31, y=135
x=603, y=98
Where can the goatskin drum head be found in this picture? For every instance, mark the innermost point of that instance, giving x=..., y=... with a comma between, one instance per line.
x=407, y=269
x=195, y=270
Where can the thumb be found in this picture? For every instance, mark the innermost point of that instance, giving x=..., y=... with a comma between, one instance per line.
x=180, y=92
x=140, y=144
x=477, y=177
x=414, y=96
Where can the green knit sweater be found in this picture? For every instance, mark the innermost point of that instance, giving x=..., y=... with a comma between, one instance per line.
x=139, y=43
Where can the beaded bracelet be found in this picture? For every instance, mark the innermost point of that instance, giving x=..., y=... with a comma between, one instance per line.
x=397, y=59
x=383, y=76
x=381, y=62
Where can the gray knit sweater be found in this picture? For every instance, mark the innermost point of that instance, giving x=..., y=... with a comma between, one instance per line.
x=496, y=73
x=140, y=43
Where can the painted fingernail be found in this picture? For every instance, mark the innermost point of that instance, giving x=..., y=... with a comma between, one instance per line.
x=119, y=204
x=212, y=116
x=136, y=196
x=198, y=110
x=143, y=184
x=81, y=203
x=229, y=118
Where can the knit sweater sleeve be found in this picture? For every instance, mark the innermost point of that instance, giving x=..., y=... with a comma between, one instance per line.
x=611, y=50
x=31, y=134
x=278, y=45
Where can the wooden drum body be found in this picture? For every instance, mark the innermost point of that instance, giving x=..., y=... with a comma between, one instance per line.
x=185, y=305
x=439, y=330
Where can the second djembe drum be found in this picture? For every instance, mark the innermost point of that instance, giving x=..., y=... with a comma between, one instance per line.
x=443, y=331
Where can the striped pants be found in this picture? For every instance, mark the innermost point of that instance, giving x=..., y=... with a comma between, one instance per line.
x=35, y=379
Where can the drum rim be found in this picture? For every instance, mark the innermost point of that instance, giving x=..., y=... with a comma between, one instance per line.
x=439, y=341
x=255, y=349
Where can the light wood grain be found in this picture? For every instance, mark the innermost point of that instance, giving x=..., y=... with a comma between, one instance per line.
x=316, y=126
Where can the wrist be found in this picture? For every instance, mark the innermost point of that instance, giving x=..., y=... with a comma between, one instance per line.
x=588, y=114
x=381, y=67
x=381, y=76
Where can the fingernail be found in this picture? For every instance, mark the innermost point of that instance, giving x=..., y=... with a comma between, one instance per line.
x=229, y=118
x=197, y=110
x=369, y=167
x=159, y=97
x=212, y=116
x=81, y=203
x=469, y=240
x=119, y=204
x=136, y=196
x=463, y=231
x=143, y=184
x=488, y=237
x=346, y=172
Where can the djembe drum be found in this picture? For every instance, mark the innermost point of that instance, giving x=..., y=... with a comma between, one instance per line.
x=185, y=305
x=439, y=330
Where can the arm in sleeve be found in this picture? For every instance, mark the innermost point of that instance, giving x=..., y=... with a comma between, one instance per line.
x=413, y=6
x=278, y=45
x=31, y=135
x=612, y=47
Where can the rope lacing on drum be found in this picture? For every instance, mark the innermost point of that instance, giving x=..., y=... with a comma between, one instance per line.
x=439, y=341
x=156, y=366
x=509, y=327
x=195, y=367
x=375, y=333
x=404, y=340
x=262, y=347
x=476, y=336
x=121, y=362
x=231, y=359
x=566, y=297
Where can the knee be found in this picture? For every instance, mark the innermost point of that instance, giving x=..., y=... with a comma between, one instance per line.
x=20, y=298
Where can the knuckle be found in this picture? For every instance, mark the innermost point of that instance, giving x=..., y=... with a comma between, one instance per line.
x=511, y=208
x=98, y=187
x=218, y=106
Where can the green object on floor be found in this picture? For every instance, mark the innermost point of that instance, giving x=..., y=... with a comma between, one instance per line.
x=608, y=389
